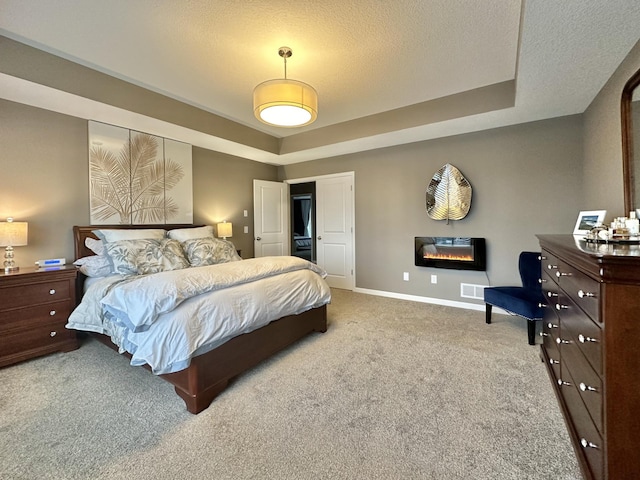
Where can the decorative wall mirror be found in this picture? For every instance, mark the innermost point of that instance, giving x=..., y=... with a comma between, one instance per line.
x=630, y=108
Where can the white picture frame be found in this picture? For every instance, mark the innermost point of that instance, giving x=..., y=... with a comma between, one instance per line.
x=588, y=219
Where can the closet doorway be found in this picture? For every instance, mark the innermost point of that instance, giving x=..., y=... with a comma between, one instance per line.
x=303, y=220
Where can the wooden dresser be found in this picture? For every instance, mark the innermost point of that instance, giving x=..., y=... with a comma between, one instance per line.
x=34, y=307
x=591, y=347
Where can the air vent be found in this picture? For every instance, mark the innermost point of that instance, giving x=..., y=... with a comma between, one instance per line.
x=469, y=290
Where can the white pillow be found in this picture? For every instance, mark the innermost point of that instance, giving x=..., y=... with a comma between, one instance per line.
x=184, y=234
x=96, y=246
x=108, y=236
x=94, y=266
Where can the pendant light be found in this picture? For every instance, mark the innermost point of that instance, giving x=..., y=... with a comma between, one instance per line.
x=284, y=102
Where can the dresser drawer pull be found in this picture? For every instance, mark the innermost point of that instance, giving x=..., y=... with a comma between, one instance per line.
x=53, y=334
x=541, y=257
x=552, y=267
x=551, y=294
x=584, y=339
x=561, y=341
x=561, y=307
x=553, y=362
x=563, y=383
x=542, y=334
x=542, y=305
x=542, y=280
x=586, y=443
x=583, y=294
x=587, y=388
x=563, y=274
x=552, y=325
x=52, y=291
x=52, y=313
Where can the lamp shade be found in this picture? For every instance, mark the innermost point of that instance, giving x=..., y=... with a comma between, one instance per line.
x=225, y=230
x=13, y=234
x=285, y=103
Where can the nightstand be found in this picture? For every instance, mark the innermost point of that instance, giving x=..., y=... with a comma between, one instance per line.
x=34, y=307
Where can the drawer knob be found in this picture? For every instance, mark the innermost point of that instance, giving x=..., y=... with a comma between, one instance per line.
x=587, y=388
x=563, y=383
x=541, y=257
x=553, y=362
x=583, y=294
x=584, y=339
x=52, y=313
x=542, y=334
x=587, y=444
x=561, y=341
x=561, y=307
x=52, y=291
x=552, y=325
x=53, y=334
x=542, y=305
x=563, y=274
x=542, y=280
x=551, y=267
x=551, y=294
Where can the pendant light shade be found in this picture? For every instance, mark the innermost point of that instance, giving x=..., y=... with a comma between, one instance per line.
x=284, y=102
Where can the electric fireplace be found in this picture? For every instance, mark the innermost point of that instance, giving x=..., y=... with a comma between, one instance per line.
x=458, y=253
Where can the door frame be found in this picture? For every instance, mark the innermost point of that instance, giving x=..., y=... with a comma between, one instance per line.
x=351, y=174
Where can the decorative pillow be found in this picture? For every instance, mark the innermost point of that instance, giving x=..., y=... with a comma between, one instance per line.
x=94, y=266
x=96, y=246
x=209, y=251
x=184, y=234
x=115, y=235
x=142, y=256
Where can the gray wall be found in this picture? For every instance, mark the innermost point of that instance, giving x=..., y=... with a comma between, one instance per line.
x=45, y=181
x=602, y=143
x=526, y=179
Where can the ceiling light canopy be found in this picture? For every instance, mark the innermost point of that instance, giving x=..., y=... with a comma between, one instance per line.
x=284, y=102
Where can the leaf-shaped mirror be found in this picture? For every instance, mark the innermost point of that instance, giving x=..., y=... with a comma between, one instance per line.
x=448, y=194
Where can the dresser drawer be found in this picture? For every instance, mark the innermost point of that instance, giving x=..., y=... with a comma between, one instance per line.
x=588, y=382
x=549, y=288
x=583, y=290
x=37, y=338
x=20, y=318
x=34, y=293
x=550, y=264
x=587, y=439
x=583, y=332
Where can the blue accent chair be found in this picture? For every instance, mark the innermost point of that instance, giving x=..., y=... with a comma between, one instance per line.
x=524, y=301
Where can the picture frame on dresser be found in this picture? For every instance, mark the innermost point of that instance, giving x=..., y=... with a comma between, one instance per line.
x=587, y=220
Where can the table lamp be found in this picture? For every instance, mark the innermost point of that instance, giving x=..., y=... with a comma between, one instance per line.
x=12, y=234
x=225, y=230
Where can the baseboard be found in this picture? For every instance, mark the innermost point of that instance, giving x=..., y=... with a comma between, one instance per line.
x=435, y=301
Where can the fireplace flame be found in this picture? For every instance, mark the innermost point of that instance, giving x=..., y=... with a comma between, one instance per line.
x=445, y=256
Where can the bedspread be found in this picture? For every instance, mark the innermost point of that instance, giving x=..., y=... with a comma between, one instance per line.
x=172, y=316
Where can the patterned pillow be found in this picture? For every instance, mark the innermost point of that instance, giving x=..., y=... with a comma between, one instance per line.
x=142, y=256
x=209, y=251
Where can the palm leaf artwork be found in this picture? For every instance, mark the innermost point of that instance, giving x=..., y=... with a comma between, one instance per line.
x=133, y=184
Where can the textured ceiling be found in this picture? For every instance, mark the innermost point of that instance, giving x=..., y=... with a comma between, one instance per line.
x=364, y=58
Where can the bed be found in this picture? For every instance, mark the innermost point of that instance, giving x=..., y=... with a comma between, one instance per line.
x=213, y=363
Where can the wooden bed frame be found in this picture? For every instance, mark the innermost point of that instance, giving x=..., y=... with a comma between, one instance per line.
x=209, y=373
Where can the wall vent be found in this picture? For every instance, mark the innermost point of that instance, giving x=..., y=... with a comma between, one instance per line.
x=469, y=290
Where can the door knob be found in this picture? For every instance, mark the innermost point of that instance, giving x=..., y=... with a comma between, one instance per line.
x=258, y=238
x=319, y=237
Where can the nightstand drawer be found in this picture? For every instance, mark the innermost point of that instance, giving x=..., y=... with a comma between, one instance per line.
x=45, y=337
x=33, y=294
x=21, y=318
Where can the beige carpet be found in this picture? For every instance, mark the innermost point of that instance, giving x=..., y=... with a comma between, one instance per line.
x=393, y=390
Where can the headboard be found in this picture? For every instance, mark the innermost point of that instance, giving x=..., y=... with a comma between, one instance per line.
x=80, y=233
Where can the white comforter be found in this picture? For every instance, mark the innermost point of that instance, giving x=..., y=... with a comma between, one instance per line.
x=166, y=318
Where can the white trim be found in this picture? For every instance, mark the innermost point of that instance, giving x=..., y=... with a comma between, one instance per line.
x=435, y=301
x=313, y=179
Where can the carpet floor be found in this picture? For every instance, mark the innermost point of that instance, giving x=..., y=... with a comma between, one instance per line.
x=393, y=390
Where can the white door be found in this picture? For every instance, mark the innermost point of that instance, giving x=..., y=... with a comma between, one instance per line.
x=270, y=218
x=334, y=229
